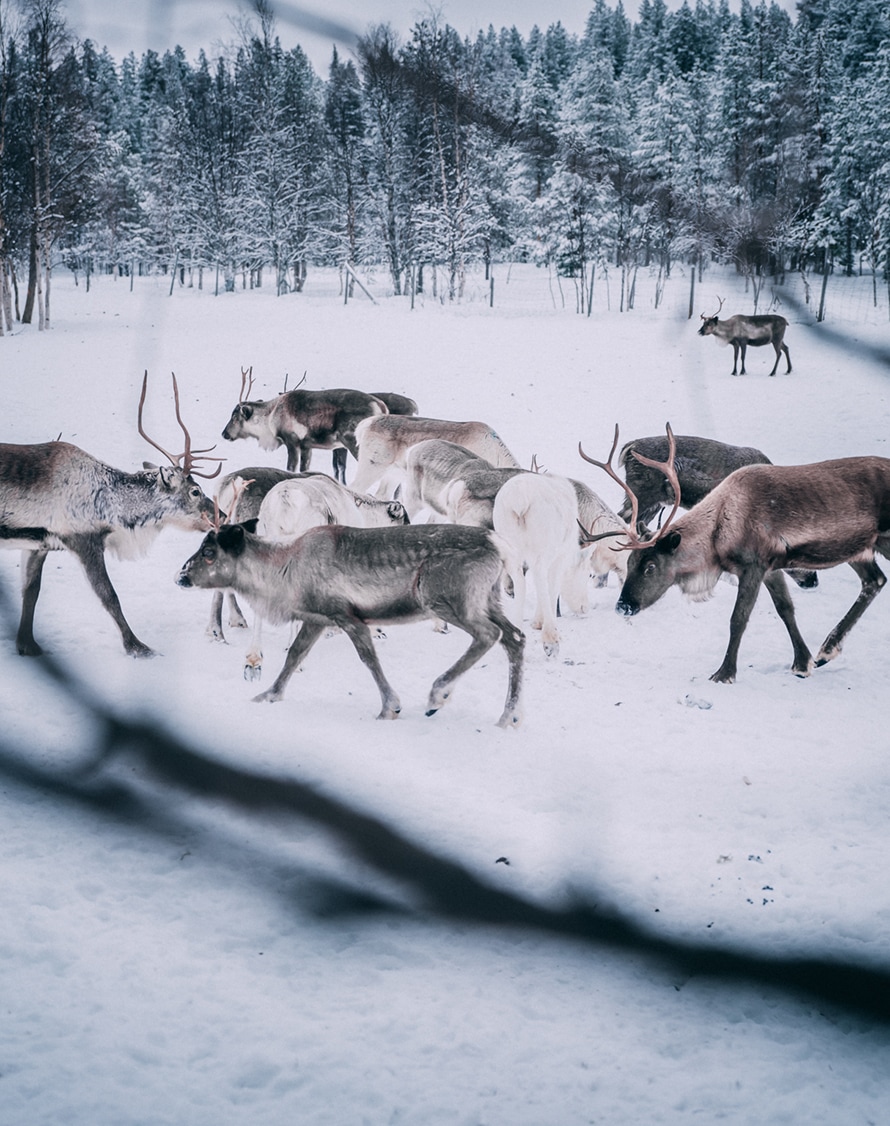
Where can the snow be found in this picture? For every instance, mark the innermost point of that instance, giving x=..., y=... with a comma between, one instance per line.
x=186, y=964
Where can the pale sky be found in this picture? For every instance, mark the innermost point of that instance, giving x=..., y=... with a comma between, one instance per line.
x=136, y=25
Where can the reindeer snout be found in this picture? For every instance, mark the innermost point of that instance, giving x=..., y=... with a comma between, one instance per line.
x=626, y=608
x=183, y=578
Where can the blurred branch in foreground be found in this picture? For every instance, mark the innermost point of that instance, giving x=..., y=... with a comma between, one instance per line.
x=440, y=888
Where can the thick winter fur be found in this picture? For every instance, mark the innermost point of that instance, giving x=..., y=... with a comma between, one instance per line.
x=353, y=577
x=763, y=519
x=302, y=421
x=537, y=516
x=383, y=445
x=740, y=331
x=55, y=496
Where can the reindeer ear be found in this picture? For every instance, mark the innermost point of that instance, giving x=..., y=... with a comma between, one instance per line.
x=167, y=474
x=670, y=543
x=230, y=538
x=396, y=512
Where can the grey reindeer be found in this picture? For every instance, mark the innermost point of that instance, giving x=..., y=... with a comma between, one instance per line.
x=55, y=496
x=350, y=577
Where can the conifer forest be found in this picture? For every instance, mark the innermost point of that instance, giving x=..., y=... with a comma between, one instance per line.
x=748, y=137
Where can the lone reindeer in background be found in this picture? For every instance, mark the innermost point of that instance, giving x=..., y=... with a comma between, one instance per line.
x=740, y=331
x=759, y=521
x=54, y=495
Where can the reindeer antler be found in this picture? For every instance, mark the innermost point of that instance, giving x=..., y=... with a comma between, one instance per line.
x=187, y=459
x=246, y=381
x=607, y=466
x=666, y=467
x=535, y=468
x=704, y=317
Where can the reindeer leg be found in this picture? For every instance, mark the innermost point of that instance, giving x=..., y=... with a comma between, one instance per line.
x=360, y=636
x=32, y=572
x=743, y=348
x=787, y=357
x=513, y=641
x=872, y=578
x=735, y=358
x=305, y=639
x=236, y=618
x=338, y=464
x=775, y=583
x=215, y=627
x=484, y=635
x=778, y=349
x=749, y=587
x=90, y=550
x=253, y=660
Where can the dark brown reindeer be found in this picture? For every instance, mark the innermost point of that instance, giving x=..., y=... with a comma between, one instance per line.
x=348, y=577
x=302, y=421
x=759, y=521
x=700, y=465
x=741, y=330
x=55, y=496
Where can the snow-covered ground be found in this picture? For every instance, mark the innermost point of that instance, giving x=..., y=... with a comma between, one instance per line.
x=177, y=969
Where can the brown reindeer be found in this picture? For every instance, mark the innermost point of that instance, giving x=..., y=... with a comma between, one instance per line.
x=759, y=521
x=301, y=421
x=740, y=331
x=55, y=496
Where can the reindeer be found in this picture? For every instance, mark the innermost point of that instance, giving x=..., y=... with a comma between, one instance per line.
x=700, y=464
x=383, y=444
x=55, y=496
x=348, y=577
x=761, y=520
x=461, y=487
x=293, y=507
x=240, y=494
x=740, y=331
x=301, y=420
x=395, y=404
x=537, y=515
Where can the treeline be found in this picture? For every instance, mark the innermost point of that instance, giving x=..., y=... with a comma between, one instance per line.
x=684, y=137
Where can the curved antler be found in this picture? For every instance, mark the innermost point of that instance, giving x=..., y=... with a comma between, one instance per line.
x=607, y=466
x=636, y=542
x=186, y=460
x=669, y=470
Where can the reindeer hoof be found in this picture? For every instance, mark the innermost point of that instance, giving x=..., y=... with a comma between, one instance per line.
x=431, y=711
x=390, y=713
x=267, y=697
x=30, y=649
x=253, y=672
x=140, y=651
x=721, y=677
x=510, y=720
x=551, y=648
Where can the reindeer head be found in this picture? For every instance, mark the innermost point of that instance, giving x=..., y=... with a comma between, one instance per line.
x=709, y=324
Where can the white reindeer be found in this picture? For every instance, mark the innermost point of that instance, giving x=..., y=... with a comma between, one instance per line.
x=536, y=514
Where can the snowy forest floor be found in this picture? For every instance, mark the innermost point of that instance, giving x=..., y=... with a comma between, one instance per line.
x=229, y=949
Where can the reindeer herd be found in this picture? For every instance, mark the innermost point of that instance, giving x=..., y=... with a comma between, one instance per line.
x=452, y=525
